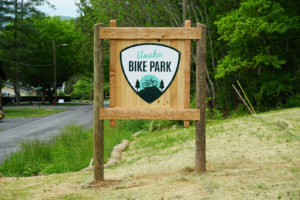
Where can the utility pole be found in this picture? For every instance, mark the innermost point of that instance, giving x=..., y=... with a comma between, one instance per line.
x=54, y=73
x=183, y=12
x=54, y=50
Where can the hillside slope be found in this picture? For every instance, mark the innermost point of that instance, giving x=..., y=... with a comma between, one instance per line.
x=247, y=158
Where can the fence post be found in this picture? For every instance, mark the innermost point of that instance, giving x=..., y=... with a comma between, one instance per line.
x=200, y=131
x=98, y=103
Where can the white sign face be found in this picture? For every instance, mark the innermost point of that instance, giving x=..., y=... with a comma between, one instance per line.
x=61, y=101
x=150, y=68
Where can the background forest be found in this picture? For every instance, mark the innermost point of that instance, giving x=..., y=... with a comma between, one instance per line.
x=256, y=42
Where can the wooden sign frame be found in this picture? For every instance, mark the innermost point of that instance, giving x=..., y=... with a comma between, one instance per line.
x=161, y=109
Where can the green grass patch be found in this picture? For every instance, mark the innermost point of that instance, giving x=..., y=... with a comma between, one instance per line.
x=47, y=104
x=70, y=150
x=28, y=112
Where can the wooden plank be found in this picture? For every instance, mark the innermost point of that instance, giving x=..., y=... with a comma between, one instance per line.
x=149, y=114
x=112, y=74
x=187, y=73
x=98, y=103
x=180, y=73
x=165, y=98
x=200, y=131
x=149, y=33
x=174, y=85
x=119, y=74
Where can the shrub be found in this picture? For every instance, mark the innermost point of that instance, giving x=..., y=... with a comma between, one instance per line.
x=61, y=93
x=77, y=95
x=37, y=98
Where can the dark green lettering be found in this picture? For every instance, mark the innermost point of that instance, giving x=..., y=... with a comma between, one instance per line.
x=168, y=66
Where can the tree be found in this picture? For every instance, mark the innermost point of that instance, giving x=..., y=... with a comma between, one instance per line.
x=161, y=86
x=62, y=32
x=253, y=41
x=15, y=38
x=137, y=85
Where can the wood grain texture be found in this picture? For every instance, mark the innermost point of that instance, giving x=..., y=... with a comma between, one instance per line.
x=112, y=74
x=173, y=88
x=149, y=33
x=187, y=73
x=200, y=131
x=173, y=96
x=98, y=103
x=149, y=114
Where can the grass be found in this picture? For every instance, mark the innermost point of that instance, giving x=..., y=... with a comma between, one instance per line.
x=28, y=112
x=46, y=104
x=247, y=158
x=70, y=150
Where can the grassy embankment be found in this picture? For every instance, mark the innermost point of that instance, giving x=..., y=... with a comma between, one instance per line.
x=27, y=112
x=247, y=158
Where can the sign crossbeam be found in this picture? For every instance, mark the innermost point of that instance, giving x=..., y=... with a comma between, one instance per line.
x=149, y=33
x=149, y=114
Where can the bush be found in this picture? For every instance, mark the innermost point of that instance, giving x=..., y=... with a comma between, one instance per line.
x=37, y=98
x=293, y=101
x=77, y=95
x=61, y=93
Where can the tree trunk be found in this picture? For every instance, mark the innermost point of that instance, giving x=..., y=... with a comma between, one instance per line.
x=16, y=88
x=49, y=94
x=0, y=94
x=43, y=95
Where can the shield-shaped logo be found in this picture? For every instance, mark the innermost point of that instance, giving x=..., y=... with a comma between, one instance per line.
x=150, y=68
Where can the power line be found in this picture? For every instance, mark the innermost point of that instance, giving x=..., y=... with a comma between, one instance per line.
x=26, y=56
x=25, y=64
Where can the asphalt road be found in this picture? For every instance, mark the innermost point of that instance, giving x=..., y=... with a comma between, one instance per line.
x=42, y=127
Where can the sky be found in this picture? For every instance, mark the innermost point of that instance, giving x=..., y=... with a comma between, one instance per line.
x=63, y=8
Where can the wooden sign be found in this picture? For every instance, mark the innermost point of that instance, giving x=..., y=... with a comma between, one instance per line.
x=149, y=80
x=165, y=57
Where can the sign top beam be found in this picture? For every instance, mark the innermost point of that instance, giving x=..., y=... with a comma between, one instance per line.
x=149, y=33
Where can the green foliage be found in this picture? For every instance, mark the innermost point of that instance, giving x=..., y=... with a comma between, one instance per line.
x=61, y=93
x=293, y=101
x=77, y=95
x=248, y=31
x=53, y=29
x=158, y=125
x=275, y=92
x=83, y=85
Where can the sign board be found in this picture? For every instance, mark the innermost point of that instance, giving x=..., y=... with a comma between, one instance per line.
x=39, y=88
x=149, y=80
x=149, y=69
x=61, y=101
x=176, y=91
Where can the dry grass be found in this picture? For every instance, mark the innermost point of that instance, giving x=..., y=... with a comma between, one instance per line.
x=247, y=158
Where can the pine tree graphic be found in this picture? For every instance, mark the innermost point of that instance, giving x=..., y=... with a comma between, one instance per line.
x=161, y=86
x=137, y=85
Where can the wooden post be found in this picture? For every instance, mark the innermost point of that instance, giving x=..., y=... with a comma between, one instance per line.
x=200, y=135
x=187, y=73
x=98, y=103
x=112, y=74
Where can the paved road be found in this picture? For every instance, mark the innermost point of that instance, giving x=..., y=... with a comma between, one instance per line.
x=42, y=127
